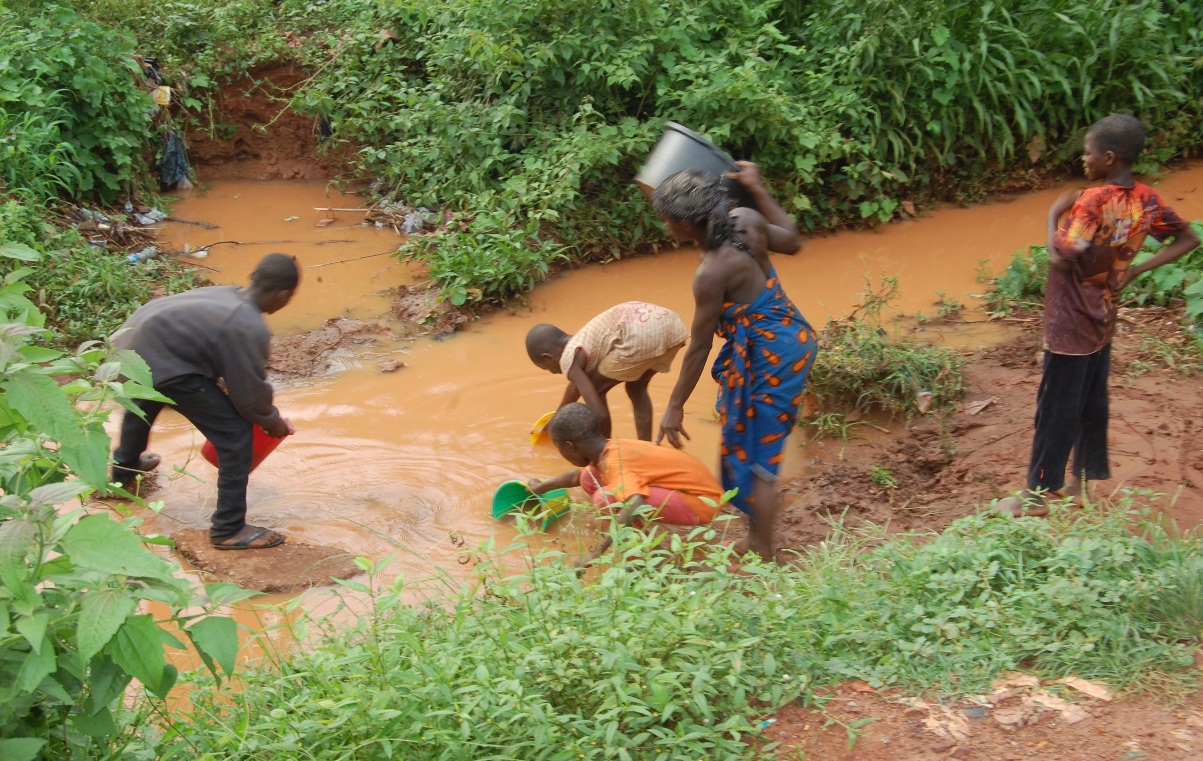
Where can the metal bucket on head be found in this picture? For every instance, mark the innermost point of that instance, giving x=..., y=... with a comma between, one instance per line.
x=681, y=148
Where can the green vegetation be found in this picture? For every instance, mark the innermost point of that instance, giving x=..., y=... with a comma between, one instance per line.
x=883, y=476
x=72, y=636
x=1021, y=284
x=860, y=366
x=669, y=654
x=536, y=117
x=73, y=120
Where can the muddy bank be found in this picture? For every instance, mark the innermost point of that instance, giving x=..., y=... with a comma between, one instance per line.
x=255, y=135
x=941, y=469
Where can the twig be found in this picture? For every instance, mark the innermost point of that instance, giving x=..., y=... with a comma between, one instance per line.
x=331, y=208
x=209, y=225
x=352, y=259
x=208, y=246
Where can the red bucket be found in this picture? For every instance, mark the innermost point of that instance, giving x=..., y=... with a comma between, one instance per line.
x=262, y=446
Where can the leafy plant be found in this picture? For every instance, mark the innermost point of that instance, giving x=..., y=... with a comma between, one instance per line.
x=73, y=120
x=669, y=653
x=71, y=633
x=860, y=367
x=883, y=476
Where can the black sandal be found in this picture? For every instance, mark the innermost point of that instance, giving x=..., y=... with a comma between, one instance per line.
x=246, y=542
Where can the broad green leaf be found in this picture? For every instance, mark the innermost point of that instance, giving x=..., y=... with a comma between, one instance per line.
x=16, y=540
x=20, y=252
x=43, y=404
x=101, y=614
x=108, y=680
x=217, y=637
x=100, y=543
x=56, y=494
x=87, y=454
x=38, y=665
x=20, y=748
x=138, y=649
x=99, y=725
x=33, y=628
x=39, y=354
x=134, y=367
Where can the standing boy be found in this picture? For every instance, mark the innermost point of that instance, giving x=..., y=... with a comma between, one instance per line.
x=628, y=343
x=630, y=473
x=190, y=341
x=1090, y=261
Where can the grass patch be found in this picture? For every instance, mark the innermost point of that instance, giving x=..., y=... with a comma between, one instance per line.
x=668, y=653
x=859, y=366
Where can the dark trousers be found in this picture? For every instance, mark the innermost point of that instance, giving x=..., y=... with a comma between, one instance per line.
x=208, y=408
x=1071, y=416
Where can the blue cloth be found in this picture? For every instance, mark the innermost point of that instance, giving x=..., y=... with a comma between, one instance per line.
x=761, y=370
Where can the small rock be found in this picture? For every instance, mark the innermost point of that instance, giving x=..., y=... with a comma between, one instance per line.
x=943, y=747
x=391, y=365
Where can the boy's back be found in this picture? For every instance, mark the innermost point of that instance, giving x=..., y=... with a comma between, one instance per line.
x=630, y=466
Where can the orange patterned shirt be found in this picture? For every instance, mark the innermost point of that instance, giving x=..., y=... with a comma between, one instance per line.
x=1099, y=237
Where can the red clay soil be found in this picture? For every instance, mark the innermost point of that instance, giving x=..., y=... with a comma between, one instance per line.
x=256, y=136
x=948, y=468
x=1014, y=722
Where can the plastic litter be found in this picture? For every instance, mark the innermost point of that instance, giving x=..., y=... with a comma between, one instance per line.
x=173, y=167
x=412, y=223
x=150, y=252
x=151, y=217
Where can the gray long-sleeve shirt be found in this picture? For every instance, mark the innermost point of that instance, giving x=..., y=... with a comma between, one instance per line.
x=216, y=332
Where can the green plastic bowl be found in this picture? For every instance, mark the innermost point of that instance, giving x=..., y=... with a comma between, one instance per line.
x=514, y=495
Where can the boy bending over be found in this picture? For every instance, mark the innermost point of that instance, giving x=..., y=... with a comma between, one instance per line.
x=628, y=343
x=631, y=473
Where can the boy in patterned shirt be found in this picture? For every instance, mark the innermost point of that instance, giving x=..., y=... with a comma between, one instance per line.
x=628, y=343
x=1090, y=262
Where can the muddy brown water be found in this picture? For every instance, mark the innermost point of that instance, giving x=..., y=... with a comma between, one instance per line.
x=406, y=462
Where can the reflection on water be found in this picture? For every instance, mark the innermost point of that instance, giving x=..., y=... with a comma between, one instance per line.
x=401, y=462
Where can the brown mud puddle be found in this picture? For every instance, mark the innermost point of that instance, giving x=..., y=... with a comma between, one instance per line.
x=402, y=449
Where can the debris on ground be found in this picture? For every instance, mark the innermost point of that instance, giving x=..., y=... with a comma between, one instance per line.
x=286, y=568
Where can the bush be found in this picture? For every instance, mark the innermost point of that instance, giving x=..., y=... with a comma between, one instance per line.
x=74, y=118
x=859, y=366
x=669, y=653
x=72, y=636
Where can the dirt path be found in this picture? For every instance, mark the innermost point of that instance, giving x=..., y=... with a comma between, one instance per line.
x=945, y=469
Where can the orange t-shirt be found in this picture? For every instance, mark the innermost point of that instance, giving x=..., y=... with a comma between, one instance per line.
x=631, y=466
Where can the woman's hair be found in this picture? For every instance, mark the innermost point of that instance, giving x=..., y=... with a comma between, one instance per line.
x=698, y=197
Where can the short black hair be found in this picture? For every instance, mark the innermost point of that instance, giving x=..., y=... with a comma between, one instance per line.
x=541, y=338
x=573, y=422
x=276, y=272
x=1121, y=134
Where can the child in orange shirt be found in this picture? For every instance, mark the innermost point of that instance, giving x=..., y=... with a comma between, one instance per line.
x=631, y=473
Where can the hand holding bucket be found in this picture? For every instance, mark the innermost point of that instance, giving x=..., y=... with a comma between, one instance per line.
x=262, y=445
x=681, y=148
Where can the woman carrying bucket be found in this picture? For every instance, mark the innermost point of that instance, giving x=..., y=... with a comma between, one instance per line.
x=769, y=347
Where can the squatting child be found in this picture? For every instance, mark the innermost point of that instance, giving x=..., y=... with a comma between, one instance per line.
x=628, y=343
x=629, y=472
x=1090, y=261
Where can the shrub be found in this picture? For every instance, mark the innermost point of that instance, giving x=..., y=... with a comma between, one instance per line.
x=672, y=653
x=75, y=117
x=859, y=366
x=71, y=634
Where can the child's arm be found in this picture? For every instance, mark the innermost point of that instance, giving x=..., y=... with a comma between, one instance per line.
x=571, y=394
x=580, y=379
x=1063, y=204
x=624, y=518
x=1184, y=242
x=565, y=480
